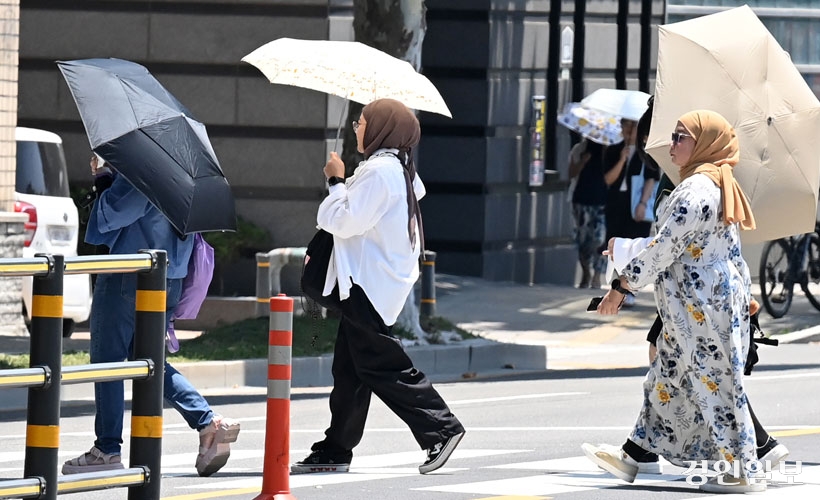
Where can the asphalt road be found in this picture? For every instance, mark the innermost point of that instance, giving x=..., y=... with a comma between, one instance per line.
x=522, y=442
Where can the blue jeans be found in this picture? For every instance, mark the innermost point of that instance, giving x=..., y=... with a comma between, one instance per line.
x=112, y=334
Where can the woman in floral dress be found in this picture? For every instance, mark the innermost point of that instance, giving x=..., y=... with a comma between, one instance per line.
x=695, y=406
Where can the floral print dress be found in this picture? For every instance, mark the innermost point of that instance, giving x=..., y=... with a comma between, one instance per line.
x=695, y=406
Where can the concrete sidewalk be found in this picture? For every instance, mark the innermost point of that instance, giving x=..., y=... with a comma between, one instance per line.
x=555, y=317
x=521, y=329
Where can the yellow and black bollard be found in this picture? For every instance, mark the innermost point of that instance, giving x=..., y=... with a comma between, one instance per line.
x=43, y=418
x=262, y=284
x=427, y=308
x=149, y=343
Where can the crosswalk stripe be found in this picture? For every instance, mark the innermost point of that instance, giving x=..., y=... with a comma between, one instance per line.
x=543, y=479
x=515, y=497
x=214, y=494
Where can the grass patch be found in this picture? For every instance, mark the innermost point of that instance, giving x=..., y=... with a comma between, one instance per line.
x=248, y=339
x=70, y=358
x=437, y=324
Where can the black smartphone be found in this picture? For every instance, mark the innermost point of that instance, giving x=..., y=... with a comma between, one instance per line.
x=593, y=304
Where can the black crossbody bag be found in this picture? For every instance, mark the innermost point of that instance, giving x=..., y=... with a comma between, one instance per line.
x=314, y=272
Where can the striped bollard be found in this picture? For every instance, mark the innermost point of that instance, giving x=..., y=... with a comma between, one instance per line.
x=262, y=284
x=147, y=395
x=427, y=308
x=276, y=469
x=43, y=415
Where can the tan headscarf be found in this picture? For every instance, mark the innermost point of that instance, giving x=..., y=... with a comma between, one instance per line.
x=715, y=154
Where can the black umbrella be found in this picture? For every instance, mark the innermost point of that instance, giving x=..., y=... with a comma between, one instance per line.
x=142, y=131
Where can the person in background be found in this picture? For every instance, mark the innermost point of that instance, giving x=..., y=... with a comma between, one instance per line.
x=695, y=406
x=589, y=210
x=124, y=222
x=621, y=163
x=377, y=237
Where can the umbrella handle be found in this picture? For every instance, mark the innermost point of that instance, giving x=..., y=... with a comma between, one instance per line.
x=339, y=128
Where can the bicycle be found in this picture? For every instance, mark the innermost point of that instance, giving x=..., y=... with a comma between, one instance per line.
x=785, y=262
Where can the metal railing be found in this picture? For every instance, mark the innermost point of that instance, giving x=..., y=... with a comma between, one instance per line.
x=268, y=270
x=46, y=375
x=269, y=267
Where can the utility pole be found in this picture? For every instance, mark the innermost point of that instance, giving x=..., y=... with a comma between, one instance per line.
x=622, y=47
x=553, y=67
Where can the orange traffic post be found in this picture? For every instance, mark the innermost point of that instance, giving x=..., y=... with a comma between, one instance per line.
x=276, y=469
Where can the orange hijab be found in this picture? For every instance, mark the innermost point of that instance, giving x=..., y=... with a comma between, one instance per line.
x=715, y=154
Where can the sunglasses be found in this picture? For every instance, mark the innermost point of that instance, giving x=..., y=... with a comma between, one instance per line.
x=355, y=126
x=678, y=136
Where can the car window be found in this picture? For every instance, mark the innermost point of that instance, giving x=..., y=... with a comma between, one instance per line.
x=41, y=169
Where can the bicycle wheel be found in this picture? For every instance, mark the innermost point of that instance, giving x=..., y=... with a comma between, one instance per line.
x=774, y=267
x=811, y=282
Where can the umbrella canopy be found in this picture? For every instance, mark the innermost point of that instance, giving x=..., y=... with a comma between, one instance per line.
x=142, y=131
x=629, y=104
x=602, y=128
x=762, y=94
x=350, y=70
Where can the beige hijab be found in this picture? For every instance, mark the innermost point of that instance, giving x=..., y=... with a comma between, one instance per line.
x=716, y=153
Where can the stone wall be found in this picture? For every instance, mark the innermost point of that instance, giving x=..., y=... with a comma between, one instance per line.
x=12, y=237
x=9, y=41
x=11, y=224
x=270, y=139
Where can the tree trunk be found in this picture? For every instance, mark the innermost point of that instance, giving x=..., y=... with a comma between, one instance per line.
x=395, y=27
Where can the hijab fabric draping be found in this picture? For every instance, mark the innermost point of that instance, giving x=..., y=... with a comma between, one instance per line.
x=390, y=124
x=716, y=152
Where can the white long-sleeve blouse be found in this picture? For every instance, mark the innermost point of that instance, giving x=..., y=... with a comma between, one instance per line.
x=367, y=216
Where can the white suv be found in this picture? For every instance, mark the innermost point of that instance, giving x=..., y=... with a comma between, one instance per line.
x=53, y=224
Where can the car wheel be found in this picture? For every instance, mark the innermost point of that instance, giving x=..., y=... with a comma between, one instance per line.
x=68, y=327
x=26, y=319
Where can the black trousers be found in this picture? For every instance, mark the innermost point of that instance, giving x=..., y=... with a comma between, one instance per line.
x=368, y=360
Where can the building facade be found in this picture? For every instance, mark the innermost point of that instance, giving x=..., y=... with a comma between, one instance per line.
x=795, y=24
x=488, y=58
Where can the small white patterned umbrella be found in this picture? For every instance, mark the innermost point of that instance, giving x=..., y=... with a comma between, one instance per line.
x=596, y=126
x=629, y=104
x=350, y=70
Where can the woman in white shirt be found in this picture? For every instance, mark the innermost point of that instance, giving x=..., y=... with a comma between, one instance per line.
x=377, y=238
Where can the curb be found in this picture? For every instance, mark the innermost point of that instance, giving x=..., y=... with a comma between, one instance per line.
x=446, y=361
x=441, y=363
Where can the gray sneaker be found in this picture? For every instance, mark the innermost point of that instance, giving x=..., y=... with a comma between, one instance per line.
x=214, y=445
x=93, y=461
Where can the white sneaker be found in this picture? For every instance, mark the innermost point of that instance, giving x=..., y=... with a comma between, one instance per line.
x=650, y=467
x=612, y=459
x=726, y=483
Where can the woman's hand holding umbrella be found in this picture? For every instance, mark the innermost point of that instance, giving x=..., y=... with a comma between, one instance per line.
x=334, y=166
